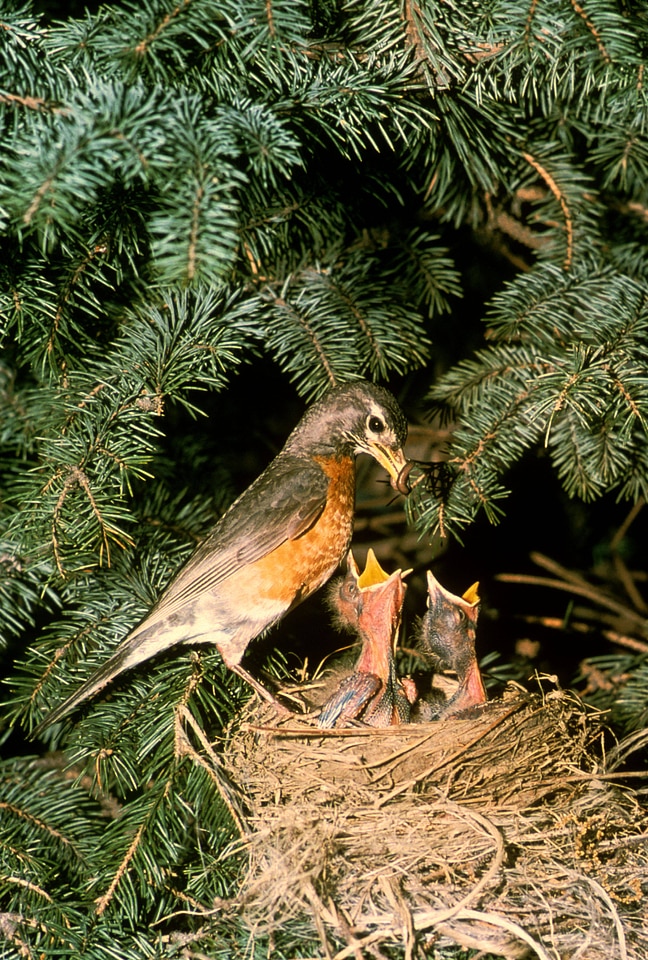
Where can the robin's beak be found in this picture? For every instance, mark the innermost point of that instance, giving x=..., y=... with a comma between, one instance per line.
x=394, y=462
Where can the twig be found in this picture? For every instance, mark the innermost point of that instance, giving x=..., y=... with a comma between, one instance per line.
x=437, y=919
x=146, y=42
x=40, y=824
x=28, y=885
x=400, y=753
x=593, y=30
x=103, y=901
x=621, y=570
x=630, y=774
x=318, y=908
x=399, y=906
x=572, y=583
x=497, y=921
x=290, y=733
x=590, y=592
x=560, y=197
x=214, y=768
x=596, y=886
x=558, y=623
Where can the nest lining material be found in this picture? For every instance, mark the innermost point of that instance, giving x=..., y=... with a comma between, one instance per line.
x=503, y=832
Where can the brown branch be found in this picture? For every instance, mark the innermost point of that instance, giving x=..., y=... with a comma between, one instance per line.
x=77, y=478
x=32, y=103
x=61, y=651
x=97, y=250
x=255, y=265
x=620, y=567
x=36, y=202
x=270, y=18
x=89, y=396
x=581, y=589
x=625, y=526
x=361, y=320
x=412, y=32
x=484, y=51
x=35, y=821
x=560, y=402
x=476, y=489
x=279, y=213
x=595, y=33
x=50, y=666
x=483, y=441
x=67, y=486
x=55, y=327
x=558, y=623
x=518, y=231
x=637, y=209
x=28, y=886
x=529, y=20
x=560, y=197
x=288, y=307
x=102, y=902
x=229, y=793
x=106, y=529
x=621, y=640
x=441, y=521
x=143, y=45
x=623, y=390
x=417, y=35
x=193, y=236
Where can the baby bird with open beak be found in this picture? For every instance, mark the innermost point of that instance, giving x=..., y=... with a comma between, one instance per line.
x=447, y=635
x=370, y=604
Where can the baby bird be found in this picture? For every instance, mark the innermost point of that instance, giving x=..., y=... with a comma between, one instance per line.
x=370, y=605
x=447, y=634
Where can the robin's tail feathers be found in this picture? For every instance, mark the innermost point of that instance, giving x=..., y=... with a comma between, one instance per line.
x=133, y=651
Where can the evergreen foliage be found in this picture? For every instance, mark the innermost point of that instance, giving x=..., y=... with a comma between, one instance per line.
x=187, y=186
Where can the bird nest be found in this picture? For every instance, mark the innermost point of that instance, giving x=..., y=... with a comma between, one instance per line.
x=507, y=832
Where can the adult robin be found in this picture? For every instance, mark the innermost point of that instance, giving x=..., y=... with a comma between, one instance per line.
x=278, y=542
x=447, y=636
x=370, y=604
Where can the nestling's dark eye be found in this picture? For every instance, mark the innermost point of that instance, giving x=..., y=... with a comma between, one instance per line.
x=375, y=424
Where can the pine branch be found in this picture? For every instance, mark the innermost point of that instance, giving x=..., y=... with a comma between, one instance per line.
x=188, y=186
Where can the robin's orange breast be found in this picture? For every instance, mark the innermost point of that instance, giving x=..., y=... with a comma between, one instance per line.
x=299, y=567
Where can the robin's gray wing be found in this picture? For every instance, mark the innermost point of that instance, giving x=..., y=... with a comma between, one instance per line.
x=282, y=504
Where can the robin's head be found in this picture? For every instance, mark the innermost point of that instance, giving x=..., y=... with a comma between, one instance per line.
x=357, y=417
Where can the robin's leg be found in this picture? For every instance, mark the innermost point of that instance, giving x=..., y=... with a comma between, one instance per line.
x=260, y=689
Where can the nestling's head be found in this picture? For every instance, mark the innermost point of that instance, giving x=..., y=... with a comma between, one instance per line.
x=370, y=603
x=447, y=637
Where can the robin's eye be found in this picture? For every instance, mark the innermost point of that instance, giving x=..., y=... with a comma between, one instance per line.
x=375, y=424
